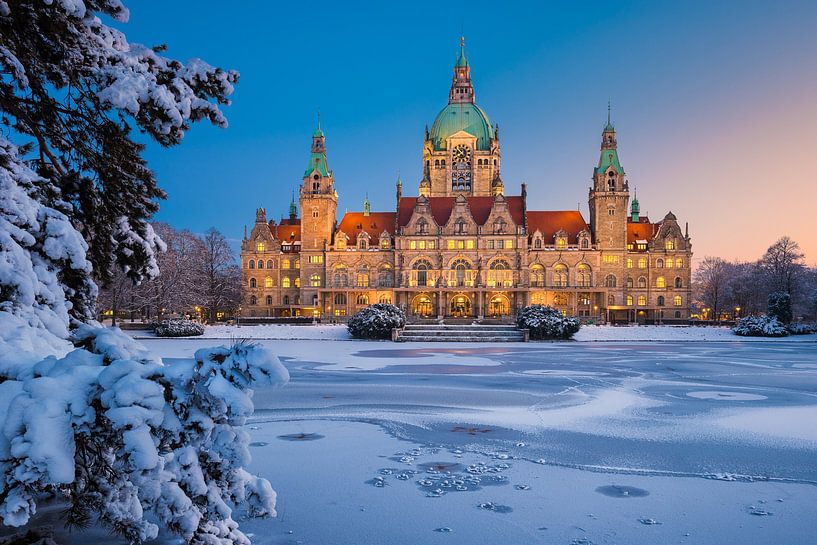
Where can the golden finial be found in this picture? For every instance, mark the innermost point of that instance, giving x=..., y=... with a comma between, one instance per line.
x=462, y=41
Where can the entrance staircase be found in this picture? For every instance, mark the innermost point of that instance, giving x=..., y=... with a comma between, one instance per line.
x=466, y=332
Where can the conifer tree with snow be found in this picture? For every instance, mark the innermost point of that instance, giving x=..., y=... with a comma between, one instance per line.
x=89, y=416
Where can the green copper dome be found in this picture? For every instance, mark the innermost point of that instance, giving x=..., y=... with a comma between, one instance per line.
x=467, y=117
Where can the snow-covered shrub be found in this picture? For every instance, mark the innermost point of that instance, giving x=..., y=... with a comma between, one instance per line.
x=779, y=306
x=546, y=322
x=760, y=326
x=376, y=321
x=131, y=443
x=178, y=327
x=801, y=328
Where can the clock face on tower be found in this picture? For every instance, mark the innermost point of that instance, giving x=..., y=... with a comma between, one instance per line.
x=461, y=172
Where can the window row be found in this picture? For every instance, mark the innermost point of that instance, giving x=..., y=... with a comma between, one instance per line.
x=641, y=301
x=659, y=263
x=340, y=299
x=285, y=263
x=285, y=300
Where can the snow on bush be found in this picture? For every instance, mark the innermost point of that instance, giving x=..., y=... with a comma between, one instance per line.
x=131, y=443
x=760, y=326
x=546, y=322
x=376, y=321
x=801, y=328
x=779, y=306
x=178, y=327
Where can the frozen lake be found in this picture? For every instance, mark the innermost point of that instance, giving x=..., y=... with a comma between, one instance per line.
x=572, y=443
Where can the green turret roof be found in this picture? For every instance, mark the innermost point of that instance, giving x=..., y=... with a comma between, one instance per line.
x=461, y=59
x=317, y=161
x=293, y=208
x=609, y=127
x=467, y=117
x=609, y=157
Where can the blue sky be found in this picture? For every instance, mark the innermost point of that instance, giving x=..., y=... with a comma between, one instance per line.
x=689, y=82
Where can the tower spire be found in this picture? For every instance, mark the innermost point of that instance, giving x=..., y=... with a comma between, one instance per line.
x=293, y=208
x=462, y=91
x=609, y=127
x=367, y=207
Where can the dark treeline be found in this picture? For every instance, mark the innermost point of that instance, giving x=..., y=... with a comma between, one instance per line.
x=729, y=289
x=199, y=276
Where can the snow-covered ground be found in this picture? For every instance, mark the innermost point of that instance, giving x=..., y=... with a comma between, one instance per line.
x=588, y=333
x=566, y=443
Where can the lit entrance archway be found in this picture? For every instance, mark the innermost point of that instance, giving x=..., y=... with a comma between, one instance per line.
x=499, y=305
x=422, y=306
x=460, y=306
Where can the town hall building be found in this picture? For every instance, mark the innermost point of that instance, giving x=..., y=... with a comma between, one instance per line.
x=464, y=246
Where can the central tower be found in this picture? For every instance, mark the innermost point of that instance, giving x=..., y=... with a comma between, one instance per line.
x=461, y=152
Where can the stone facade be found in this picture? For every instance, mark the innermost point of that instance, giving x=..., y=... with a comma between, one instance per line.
x=463, y=247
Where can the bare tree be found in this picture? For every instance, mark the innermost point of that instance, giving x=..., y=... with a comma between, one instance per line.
x=711, y=280
x=220, y=274
x=783, y=265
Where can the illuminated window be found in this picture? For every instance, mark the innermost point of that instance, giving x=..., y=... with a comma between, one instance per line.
x=660, y=282
x=362, y=299
x=297, y=263
x=584, y=276
x=363, y=276
x=560, y=275
x=668, y=263
x=561, y=242
x=629, y=300
x=297, y=281
x=460, y=244
x=413, y=245
x=285, y=282
x=431, y=245
x=422, y=245
x=285, y=263
x=642, y=263
x=669, y=244
x=560, y=299
x=629, y=262
x=318, y=259
x=384, y=243
x=315, y=280
x=509, y=243
x=642, y=300
x=584, y=299
x=260, y=247
x=676, y=300
x=451, y=244
x=469, y=244
x=384, y=300
x=611, y=259
x=679, y=263
x=340, y=299
x=268, y=282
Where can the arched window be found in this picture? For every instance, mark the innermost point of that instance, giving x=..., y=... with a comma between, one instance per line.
x=660, y=282
x=340, y=243
x=436, y=162
x=286, y=298
x=500, y=274
x=252, y=282
x=630, y=282
x=677, y=313
x=642, y=300
x=499, y=226
x=363, y=276
x=385, y=243
x=642, y=282
x=422, y=227
x=442, y=162
x=362, y=242
x=661, y=301
x=678, y=283
x=679, y=263
x=285, y=282
x=268, y=282
x=560, y=300
x=610, y=281
x=341, y=276
x=462, y=273
x=251, y=264
x=642, y=262
x=316, y=186
x=585, y=244
x=384, y=299
x=340, y=299
x=611, y=300
x=629, y=300
x=560, y=275
x=362, y=299
x=537, y=243
x=584, y=276
x=385, y=278
x=676, y=300
x=420, y=275
x=260, y=247
x=561, y=242
x=297, y=263
x=253, y=300
x=659, y=264
x=285, y=263
x=269, y=300
x=669, y=244
x=584, y=299
x=537, y=298
x=315, y=280
x=270, y=264
x=629, y=262
x=260, y=263
x=297, y=281
x=459, y=227
x=537, y=276
x=315, y=213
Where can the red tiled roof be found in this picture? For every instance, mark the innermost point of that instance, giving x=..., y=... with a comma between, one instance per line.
x=643, y=230
x=549, y=222
x=441, y=208
x=374, y=224
x=288, y=230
